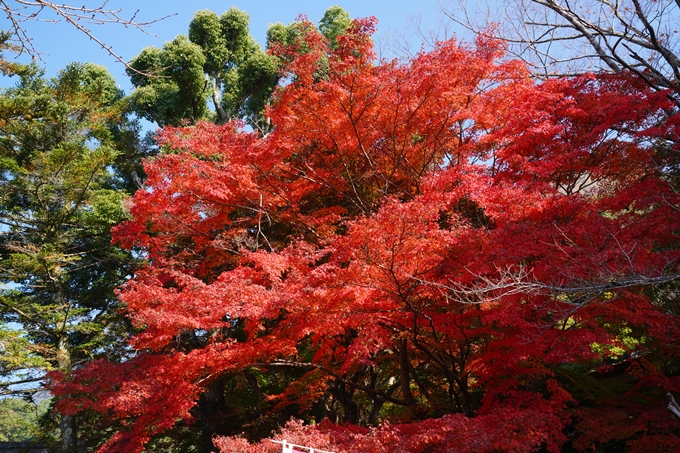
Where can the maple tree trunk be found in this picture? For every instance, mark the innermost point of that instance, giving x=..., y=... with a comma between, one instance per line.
x=422, y=388
x=252, y=381
x=69, y=440
x=210, y=406
x=465, y=395
x=378, y=403
x=404, y=369
x=349, y=407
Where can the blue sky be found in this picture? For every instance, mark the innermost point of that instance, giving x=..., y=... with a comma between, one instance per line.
x=61, y=43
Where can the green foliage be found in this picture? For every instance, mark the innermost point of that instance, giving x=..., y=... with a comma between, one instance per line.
x=18, y=353
x=334, y=23
x=289, y=35
x=585, y=388
x=176, y=90
x=256, y=76
x=19, y=419
x=218, y=61
x=58, y=200
x=278, y=33
x=225, y=40
x=184, y=61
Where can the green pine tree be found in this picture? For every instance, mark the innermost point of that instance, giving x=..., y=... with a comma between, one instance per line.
x=66, y=148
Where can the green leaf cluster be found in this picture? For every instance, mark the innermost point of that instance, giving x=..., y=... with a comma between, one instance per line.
x=220, y=63
x=19, y=419
x=218, y=60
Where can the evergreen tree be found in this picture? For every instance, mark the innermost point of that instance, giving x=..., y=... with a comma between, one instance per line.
x=63, y=146
x=218, y=62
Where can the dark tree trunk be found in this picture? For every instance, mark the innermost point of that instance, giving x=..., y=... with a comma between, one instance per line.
x=210, y=414
x=405, y=368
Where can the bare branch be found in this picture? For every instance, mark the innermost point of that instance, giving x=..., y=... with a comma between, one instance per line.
x=513, y=281
x=560, y=37
x=19, y=12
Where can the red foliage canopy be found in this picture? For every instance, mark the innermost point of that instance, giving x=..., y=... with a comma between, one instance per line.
x=434, y=242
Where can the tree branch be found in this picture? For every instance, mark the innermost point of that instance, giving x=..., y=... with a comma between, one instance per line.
x=74, y=16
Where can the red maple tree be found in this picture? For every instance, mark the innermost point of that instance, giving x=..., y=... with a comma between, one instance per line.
x=441, y=247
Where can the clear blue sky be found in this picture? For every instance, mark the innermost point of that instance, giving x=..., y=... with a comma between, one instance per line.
x=61, y=43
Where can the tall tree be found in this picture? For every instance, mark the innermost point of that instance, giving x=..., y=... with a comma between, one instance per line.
x=354, y=247
x=61, y=141
x=220, y=62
